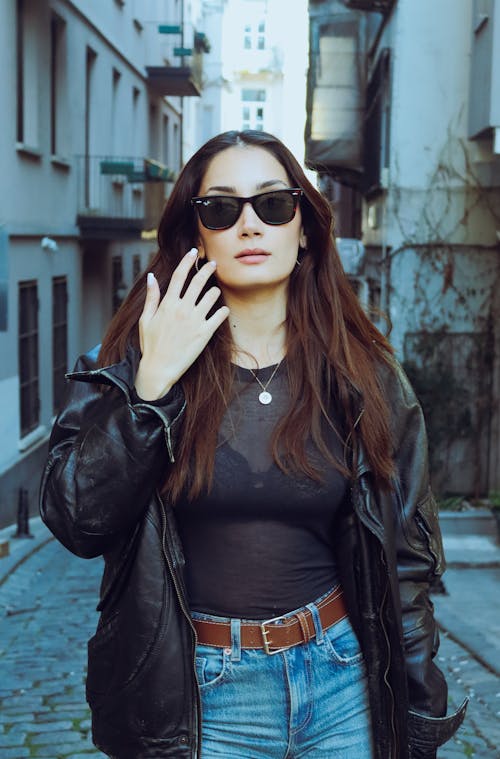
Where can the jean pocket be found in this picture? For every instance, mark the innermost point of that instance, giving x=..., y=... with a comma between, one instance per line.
x=343, y=643
x=212, y=665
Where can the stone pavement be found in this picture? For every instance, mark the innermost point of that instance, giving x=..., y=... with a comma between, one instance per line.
x=47, y=613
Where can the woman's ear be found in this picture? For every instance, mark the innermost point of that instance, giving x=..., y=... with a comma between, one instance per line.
x=302, y=239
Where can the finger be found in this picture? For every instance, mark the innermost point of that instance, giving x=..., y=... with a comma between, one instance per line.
x=152, y=298
x=199, y=281
x=209, y=299
x=217, y=319
x=181, y=271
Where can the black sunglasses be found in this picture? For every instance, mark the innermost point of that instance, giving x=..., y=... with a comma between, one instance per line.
x=222, y=211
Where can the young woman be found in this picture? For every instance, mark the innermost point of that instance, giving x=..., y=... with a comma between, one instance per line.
x=250, y=460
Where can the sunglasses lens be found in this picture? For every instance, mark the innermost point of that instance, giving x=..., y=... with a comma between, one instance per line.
x=218, y=212
x=221, y=211
x=276, y=207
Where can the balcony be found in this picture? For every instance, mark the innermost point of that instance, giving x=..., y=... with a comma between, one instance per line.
x=119, y=196
x=336, y=92
x=181, y=74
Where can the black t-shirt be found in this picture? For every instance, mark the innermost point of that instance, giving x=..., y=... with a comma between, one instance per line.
x=259, y=544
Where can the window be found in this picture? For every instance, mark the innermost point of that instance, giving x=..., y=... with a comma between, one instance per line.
x=356, y=285
x=261, y=40
x=89, y=81
x=119, y=289
x=254, y=35
x=59, y=340
x=135, y=132
x=28, y=356
x=374, y=294
x=377, y=122
x=136, y=266
x=154, y=137
x=166, y=139
x=248, y=95
x=247, y=38
x=27, y=36
x=176, y=163
x=252, y=111
x=115, y=127
x=57, y=73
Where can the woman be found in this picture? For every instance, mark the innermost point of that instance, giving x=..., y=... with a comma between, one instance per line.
x=250, y=460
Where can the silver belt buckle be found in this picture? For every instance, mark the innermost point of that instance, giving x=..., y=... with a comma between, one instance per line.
x=265, y=634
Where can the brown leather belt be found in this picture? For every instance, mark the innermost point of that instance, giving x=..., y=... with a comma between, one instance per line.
x=274, y=635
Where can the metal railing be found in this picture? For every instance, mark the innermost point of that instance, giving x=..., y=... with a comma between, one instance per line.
x=113, y=186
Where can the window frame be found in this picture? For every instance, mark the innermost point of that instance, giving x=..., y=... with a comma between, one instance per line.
x=28, y=356
x=59, y=325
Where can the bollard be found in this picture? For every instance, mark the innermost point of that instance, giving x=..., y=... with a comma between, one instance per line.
x=23, y=525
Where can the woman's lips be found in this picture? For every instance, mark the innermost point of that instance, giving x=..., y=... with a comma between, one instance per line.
x=252, y=256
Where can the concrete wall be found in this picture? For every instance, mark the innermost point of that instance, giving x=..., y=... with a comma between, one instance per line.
x=437, y=226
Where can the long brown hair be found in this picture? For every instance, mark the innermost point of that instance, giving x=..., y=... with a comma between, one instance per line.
x=332, y=348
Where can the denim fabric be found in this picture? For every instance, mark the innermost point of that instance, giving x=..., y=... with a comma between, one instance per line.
x=310, y=700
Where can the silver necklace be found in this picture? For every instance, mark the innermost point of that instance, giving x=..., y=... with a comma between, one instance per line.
x=265, y=396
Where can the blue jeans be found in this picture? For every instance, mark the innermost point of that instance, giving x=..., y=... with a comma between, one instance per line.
x=310, y=700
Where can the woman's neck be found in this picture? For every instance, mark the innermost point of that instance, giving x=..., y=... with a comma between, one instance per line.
x=258, y=327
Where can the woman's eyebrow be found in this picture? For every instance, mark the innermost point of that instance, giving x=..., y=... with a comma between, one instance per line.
x=270, y=183
x=261, y=186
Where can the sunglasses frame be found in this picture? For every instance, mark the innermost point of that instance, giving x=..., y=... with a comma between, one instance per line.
x=296, y=193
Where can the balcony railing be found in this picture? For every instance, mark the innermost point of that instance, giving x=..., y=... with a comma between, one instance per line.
x=119, y=194
x=182, y=49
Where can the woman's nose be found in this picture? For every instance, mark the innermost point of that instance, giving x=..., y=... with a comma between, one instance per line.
x=249, y=222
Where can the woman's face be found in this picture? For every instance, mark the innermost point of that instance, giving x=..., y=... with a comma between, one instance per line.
x=251, y=254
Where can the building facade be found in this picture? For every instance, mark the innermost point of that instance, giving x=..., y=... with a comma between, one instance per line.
x=93, y=97
x=403, y=126
x=254, y=76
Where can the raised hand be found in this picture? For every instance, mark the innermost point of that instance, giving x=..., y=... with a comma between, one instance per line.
x=174, y=331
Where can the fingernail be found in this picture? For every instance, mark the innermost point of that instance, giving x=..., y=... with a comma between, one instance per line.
x=150, y=278
x=193, y=252
x=212, y=263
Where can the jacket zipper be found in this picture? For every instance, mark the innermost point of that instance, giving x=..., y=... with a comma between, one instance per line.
x=187, y=615
x=388, y=643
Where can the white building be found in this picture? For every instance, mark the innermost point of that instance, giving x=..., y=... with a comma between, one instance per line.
x=255, y=74
x=89, y=145
x=405, y=124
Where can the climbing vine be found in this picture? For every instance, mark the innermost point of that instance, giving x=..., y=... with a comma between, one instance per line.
x=451, y=309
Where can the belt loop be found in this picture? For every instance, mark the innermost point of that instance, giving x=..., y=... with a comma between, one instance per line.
x=235, y=640
x=317, y=623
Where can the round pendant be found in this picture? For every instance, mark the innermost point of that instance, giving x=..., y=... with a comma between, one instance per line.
x=265, y=397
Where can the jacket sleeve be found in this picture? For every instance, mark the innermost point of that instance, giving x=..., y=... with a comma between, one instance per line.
x=420, y=561
x=107, y=455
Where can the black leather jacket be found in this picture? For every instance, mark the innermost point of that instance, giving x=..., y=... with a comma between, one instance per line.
x=99, y=495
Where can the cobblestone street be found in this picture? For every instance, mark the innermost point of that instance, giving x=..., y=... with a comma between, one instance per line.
x=47, y=613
